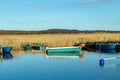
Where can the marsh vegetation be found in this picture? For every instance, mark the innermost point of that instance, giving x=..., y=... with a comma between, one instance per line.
x=56, y=40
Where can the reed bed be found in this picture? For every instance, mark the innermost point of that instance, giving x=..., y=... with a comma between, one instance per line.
x=56, y=40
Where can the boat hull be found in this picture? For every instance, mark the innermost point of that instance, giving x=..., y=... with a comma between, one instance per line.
x=63, y=49
x=65, y=54
x=7, y=49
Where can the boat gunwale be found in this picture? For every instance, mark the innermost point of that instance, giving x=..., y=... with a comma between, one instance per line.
x=60, y=47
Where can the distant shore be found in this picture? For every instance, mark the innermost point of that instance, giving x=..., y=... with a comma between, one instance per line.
x=53, y=31
x=56, y=40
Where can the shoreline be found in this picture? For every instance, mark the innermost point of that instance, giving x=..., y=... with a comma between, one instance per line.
x=56, y=40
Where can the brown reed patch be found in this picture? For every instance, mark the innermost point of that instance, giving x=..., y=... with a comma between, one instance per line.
x=56, y=40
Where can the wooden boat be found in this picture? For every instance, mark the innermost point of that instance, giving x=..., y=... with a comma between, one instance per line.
x=7, y=49
x=63, y=49
x=105, y=46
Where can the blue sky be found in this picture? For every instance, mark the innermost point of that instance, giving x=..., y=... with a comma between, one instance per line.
x=63, y=14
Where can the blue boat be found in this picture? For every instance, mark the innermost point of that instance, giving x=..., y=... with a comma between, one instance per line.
x=7, y=49
x=63, y=49
x=105, y=46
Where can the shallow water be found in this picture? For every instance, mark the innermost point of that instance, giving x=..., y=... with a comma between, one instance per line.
x=38, y=66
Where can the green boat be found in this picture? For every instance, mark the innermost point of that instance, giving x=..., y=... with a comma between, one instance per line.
x=63, y=49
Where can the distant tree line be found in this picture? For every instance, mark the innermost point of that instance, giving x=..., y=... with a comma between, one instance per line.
x=52, y=31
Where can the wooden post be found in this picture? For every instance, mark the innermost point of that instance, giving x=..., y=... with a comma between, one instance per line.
x=0, y=48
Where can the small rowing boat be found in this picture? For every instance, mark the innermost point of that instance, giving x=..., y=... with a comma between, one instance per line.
x=7, y=49
x=63, y=49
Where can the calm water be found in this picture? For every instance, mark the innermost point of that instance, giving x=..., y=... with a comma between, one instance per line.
x=31, y=66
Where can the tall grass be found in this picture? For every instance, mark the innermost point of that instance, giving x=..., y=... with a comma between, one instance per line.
x=56, y=40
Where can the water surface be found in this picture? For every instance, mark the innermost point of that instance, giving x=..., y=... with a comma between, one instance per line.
x=38, y=66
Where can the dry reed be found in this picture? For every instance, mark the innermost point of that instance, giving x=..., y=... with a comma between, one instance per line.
x=56, y=40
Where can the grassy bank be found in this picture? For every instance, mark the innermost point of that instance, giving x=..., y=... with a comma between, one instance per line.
x=55, y=40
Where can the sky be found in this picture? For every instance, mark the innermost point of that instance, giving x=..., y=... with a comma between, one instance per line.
x=60, y=14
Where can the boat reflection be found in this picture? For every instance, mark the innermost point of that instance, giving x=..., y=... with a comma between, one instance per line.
x=7, y=56
x=66, y=55
x=0, y=56
x=108, y=51
x=110, y=65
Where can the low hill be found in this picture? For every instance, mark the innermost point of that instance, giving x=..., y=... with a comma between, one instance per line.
x=53, y=31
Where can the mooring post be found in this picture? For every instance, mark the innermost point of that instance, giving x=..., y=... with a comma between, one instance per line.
x=0, y=48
